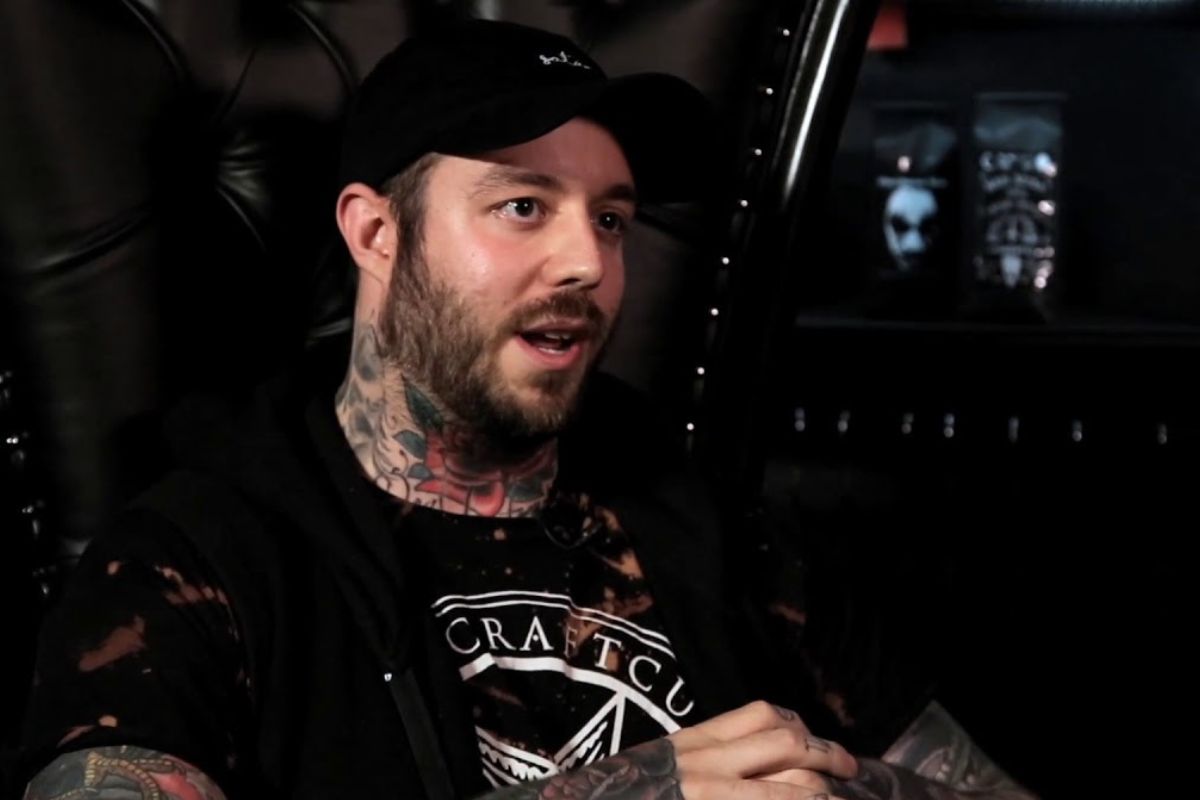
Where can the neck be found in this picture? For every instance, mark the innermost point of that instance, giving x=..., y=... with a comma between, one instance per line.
x=410, y=446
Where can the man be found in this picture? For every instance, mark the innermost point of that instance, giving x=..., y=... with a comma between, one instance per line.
x=431, y=583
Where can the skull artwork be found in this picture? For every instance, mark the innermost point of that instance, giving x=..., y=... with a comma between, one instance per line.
x=1013, y=236
x=910, y=225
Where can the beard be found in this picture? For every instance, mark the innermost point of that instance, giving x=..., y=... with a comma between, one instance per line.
x=433, y=336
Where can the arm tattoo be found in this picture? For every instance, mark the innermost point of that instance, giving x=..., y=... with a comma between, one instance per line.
x=934, y=759
x=645, y=772
x=937, y=747
x=121, y=773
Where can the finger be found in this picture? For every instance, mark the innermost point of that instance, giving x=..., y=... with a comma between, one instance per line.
x=810, y=793
x=840, y=763
x=804, y=778
x=732, y=789
x=751, y=718
x=767, y=752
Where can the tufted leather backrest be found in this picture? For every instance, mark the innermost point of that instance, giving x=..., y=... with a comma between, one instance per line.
x=168, y=170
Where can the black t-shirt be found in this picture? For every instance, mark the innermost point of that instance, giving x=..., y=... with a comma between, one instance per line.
x=143, y=650
x=278, y=688
x=544, y=634
x=552, y=629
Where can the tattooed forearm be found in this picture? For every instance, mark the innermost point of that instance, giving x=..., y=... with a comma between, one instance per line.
x=127, y=773
x=646, y=772
x=935, y=746
x=879, y=781
x=934, y=759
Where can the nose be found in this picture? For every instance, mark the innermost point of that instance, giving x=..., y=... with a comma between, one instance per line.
x=577, y=257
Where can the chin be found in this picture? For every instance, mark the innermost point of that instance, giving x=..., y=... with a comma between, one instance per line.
x=545, y=411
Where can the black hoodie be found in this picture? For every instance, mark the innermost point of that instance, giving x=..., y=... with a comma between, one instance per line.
x=338, y=695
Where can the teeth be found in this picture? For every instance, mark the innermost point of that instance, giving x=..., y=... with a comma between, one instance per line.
x=551, y=342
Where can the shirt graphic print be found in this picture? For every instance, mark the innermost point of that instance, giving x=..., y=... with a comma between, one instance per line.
x=555, y=636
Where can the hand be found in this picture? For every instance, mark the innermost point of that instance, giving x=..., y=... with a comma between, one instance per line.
x=755, y=752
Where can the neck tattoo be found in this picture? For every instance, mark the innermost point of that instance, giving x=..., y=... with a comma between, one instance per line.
x=414, y=449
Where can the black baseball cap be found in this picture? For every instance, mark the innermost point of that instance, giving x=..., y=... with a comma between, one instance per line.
x=481, y=85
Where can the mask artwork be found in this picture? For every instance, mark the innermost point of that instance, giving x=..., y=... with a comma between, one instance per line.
x=910, y=223
x=915, y=189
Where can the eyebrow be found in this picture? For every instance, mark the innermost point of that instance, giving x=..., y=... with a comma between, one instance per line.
x=502, y=176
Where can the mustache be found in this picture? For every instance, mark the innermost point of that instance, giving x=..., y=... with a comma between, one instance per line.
x=572, y=306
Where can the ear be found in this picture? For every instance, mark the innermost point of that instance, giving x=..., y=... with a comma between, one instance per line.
x=365, y=219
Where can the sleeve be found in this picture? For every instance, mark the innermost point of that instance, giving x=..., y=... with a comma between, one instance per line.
x=142, y=650
x=854, y=629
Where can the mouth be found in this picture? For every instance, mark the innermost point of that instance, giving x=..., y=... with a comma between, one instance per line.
x=555, y=344
x=550, y=342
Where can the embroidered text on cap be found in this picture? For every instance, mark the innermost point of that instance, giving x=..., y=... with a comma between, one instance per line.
x=563, y=58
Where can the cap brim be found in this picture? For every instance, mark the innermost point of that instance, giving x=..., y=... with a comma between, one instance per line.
x=663, y=124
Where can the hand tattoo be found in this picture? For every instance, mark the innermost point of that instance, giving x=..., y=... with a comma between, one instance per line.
x=818, y=744
x=786, y=714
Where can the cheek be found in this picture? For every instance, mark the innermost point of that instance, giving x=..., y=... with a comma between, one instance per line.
x=609, y=294
x=475, y=265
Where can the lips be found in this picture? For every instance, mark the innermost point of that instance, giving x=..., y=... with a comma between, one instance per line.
x=556, y=343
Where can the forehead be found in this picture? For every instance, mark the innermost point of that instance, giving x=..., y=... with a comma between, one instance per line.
x=579, y=155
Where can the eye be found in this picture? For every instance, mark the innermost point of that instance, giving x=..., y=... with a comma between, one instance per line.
x=522, y=208
x=612, y=222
